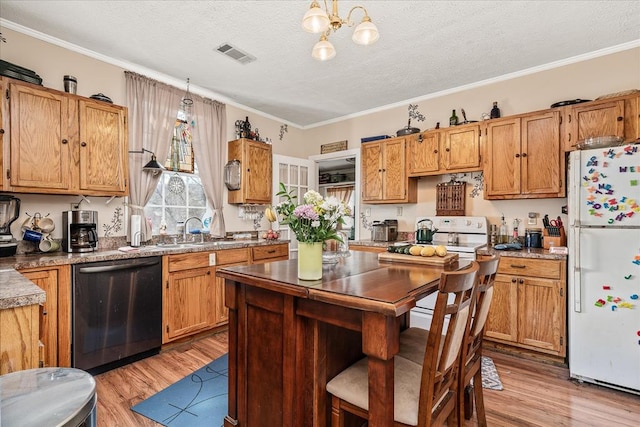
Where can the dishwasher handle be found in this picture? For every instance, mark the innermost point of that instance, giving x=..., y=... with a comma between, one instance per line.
x=117, y=267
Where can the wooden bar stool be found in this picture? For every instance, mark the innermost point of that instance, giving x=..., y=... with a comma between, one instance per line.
x=423, y=396
x=471, y=354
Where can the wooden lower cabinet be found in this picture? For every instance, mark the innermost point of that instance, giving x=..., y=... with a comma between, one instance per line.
x=528, y=309
x=193, y=297
x=262, y=254
x=19, y=338
x=55, y=313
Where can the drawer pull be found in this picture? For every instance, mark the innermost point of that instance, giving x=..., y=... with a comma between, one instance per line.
x=518, y=266
x=513, y=280
x=271, y=251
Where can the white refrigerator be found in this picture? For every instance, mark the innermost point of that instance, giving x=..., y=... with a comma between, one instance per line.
x=604, y=267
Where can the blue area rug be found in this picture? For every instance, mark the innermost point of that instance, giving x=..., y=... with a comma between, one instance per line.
x=199, y=399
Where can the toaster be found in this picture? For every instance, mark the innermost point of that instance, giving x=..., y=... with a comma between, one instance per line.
x=384, y=231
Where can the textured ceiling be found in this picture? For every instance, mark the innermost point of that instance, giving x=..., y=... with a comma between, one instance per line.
x=425, y=46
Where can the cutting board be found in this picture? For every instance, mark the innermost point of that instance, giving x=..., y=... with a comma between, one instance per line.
x=416, y=259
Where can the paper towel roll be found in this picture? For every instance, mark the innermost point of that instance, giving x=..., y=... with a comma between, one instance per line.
x=135, y=230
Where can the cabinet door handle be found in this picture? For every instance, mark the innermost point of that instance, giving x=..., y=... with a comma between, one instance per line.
x=1, y=131
x=208, y=273
x=518, y=266
x=513, y=280
x=64, y=141
x=83, y=144
x=620, y=118
x=524, y=154
x=447, y=149
x=521, y=281
x=435, y=151
x=569, y=136
x=517, y=155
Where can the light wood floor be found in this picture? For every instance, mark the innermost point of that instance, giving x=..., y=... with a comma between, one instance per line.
x=535, y=394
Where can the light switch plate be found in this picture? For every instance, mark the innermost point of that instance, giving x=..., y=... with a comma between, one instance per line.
x=212, y=259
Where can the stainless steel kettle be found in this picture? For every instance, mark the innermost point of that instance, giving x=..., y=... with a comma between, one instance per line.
x=425, y=231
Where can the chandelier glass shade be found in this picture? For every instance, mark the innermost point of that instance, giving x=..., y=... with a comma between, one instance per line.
x=323, y=50
x=317, y=21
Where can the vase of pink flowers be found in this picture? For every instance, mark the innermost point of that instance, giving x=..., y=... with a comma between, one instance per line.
x=313, y=221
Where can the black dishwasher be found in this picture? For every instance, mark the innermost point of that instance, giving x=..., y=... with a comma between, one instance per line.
x=116, y=312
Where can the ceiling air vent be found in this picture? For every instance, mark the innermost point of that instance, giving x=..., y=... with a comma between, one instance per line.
x=235, y=53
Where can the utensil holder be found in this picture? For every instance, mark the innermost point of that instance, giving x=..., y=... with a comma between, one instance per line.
x=551, y=239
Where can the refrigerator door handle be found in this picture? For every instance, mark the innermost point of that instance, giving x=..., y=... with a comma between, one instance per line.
x=577, y=286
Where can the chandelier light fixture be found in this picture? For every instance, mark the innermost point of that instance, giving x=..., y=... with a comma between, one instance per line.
x=320, y=21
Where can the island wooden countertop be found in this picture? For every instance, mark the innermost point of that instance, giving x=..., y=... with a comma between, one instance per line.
x=359, y=281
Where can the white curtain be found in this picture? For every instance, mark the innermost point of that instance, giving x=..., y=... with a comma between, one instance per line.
x=153, y=107
x=209, y=151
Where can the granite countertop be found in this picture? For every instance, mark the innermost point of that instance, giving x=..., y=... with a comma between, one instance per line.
x=16, y=290
x=19, y=262
x=485, y=250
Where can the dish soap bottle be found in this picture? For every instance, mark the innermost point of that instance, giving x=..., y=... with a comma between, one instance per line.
x=515, y=238
x=503, y=236
x=453, y=120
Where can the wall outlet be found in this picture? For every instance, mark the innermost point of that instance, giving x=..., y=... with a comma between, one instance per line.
x=367, y=212
x=399, y=211
x=212, y=259
x=532, y=218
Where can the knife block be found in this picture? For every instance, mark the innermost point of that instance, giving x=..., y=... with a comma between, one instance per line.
x=549, y=241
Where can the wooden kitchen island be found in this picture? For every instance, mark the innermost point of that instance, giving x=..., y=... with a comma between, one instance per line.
x=289, y=337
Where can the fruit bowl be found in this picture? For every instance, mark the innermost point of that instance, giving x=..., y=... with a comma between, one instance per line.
x=600, y=142
x=271, y=235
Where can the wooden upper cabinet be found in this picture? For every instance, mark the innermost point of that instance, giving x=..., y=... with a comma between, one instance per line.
x=4, y=142
x=103, y=147
x=372, y=164
x=461, y=149
x=502, y=158
x=542, y=159
x=602, y=118
x=438, y=152
x=255, y=171
x=39, y=139
x=384, y=172
x=523, y=157
x=424, y=154
x=61, y=143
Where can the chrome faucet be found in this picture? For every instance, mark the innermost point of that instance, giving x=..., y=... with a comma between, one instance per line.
x=184, y=232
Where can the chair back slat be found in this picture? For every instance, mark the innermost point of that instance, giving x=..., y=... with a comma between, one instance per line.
x=438, y=382
x=487, y=271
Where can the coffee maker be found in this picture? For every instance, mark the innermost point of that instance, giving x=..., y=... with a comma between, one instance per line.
x=79, y=233
x=9, y=212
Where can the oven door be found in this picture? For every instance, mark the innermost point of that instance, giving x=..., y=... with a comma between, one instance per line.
x=422, y=314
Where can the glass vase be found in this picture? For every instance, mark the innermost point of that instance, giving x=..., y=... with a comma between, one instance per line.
x=310, y=261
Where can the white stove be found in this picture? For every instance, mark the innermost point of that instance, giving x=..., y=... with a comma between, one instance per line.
x=463, y=235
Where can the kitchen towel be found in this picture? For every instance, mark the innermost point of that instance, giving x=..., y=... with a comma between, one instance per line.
x=135, y=230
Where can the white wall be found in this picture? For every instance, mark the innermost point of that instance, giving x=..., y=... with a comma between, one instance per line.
x=586, y=79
